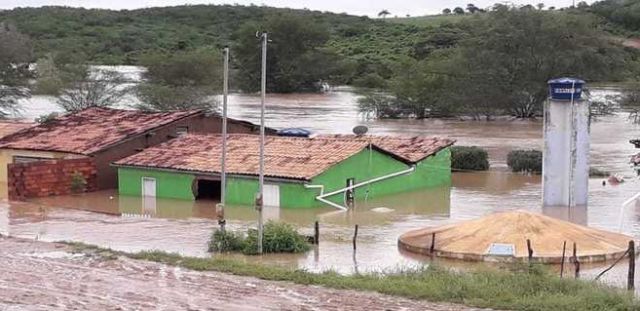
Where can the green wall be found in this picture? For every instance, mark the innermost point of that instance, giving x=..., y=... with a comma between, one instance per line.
x=434, y=171
x=168, y=184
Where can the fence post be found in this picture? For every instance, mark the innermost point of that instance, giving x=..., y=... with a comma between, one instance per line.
x=316, y=234
x=564, y=248
x=355, y=236
x=576, y=262
x=529, y=250
x=432, y=248
x=632, y=265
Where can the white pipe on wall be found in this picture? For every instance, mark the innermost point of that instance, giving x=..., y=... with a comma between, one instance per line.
x=323, y=195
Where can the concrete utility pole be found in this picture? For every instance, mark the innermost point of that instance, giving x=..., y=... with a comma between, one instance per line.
x=565, y=170
x=223, y=169
x=259, y=200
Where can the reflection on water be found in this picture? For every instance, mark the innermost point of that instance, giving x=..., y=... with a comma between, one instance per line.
x=130, y=223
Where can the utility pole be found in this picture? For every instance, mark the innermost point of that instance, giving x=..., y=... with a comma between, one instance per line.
x=223, y=169
x=259, y=200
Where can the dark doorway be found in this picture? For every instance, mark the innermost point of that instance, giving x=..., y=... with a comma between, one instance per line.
x=207, y=189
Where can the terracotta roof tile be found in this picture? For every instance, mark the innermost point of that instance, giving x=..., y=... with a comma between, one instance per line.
x=11, y=127
x=285, y=157
x=90, y=130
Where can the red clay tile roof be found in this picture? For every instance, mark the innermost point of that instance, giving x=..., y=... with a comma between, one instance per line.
x=411, y=149
x=90, y=130
x=10, y=127
x=285, y=157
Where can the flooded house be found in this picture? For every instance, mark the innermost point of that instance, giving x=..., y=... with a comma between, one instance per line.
x=89, y=141
x=300, y=172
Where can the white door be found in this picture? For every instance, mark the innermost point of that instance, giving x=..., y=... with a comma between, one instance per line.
x=148, y=187
x=271, y=195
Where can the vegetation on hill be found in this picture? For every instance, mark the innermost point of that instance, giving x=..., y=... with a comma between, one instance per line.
x=470, y=61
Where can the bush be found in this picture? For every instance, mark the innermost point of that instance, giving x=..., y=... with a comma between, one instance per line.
x=529, y=161
x=596, y=172
x=226, y=241
x=78, y=183
x=278, y=238
x=469, y=158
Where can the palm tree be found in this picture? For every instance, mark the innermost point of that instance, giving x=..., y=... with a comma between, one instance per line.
x=383, y=14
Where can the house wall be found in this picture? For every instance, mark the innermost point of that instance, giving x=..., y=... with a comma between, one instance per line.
x=108, y=176
x=46, y=178
x=168, y=184
x=434, y=171
x=6, y=158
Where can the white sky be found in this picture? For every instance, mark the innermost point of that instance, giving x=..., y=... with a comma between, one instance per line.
x=355, y=7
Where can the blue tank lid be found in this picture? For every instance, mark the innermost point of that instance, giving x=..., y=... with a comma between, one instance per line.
x=294, y=132
x=565, y=88
x=566, y=80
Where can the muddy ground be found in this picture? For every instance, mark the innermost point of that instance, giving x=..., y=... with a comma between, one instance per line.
x=47, y=276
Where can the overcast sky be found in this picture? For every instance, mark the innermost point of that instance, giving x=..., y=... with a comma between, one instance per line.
x=355, y=7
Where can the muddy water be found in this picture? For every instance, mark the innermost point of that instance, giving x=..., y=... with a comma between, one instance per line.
x=132, y=224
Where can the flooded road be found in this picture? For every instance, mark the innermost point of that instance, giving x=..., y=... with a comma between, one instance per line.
x=125, y=223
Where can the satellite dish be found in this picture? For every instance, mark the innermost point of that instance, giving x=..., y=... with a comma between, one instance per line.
x=360, y=130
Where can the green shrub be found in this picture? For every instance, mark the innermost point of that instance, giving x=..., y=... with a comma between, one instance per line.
x=78, y=183
x=596, y=172
x=469, y=158
x=529, y=161
x=278, y=238
x=226, y=241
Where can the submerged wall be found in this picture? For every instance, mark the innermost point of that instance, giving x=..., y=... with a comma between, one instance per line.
x=433, y=171
x=170, y=185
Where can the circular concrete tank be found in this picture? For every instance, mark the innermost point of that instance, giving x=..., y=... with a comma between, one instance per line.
x=503, y=237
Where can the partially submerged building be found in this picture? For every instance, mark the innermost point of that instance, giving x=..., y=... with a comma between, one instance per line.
x=100, y=136
x=299, y=172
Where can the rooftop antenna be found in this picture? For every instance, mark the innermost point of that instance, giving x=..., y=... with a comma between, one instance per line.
x=360, y=130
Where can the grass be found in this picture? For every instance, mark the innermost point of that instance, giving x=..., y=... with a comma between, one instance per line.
x=519, y=288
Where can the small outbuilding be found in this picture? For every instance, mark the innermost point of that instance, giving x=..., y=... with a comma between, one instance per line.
x=300, y=172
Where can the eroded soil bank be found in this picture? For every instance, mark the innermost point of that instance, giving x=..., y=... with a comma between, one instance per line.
x=47, y=276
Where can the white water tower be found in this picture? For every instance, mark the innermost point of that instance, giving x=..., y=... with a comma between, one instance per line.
x=565, y=168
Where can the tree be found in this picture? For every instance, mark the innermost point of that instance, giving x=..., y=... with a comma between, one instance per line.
x=472, y=8
x=15, y=55
x=630, y=101
x=458, y=10
x=446, y=11
x=296, y=59
x=181, y=80
x=102, y=88
x=540, y=6
x=504, y=62
x=384, y=14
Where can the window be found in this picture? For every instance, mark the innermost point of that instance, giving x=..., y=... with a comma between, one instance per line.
x=182, y=130
x=27, y=159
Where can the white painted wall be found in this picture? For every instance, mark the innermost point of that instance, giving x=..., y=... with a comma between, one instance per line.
x=565, y=169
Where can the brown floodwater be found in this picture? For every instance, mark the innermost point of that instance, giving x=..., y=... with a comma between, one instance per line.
x=128, y=223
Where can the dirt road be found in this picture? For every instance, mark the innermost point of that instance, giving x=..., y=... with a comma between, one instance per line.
x=45, y=276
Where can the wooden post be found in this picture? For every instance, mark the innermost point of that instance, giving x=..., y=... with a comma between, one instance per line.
x=432, y=248
x=632, y=266
x=355, y=236
x=316, y=234
x=564, y=248
x=530, y=250
x=576, y=262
